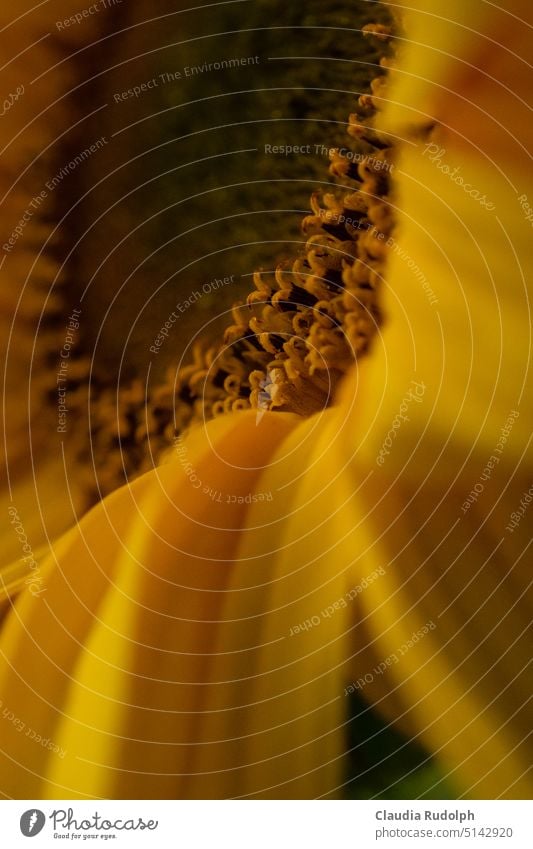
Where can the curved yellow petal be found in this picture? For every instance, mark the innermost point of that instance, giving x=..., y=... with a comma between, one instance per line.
x=114, y=651
x=444, y=418
x=288, y=637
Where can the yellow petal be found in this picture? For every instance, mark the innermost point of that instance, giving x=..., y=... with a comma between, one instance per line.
x=443, y=419
x=114, y=651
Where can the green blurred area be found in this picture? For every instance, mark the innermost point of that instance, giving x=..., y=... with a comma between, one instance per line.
x=384, y=764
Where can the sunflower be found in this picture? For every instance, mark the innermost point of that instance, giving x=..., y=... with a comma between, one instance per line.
x=336, y=532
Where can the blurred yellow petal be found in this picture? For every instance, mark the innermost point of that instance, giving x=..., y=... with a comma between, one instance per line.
x=451, y=466
x=36, y=118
